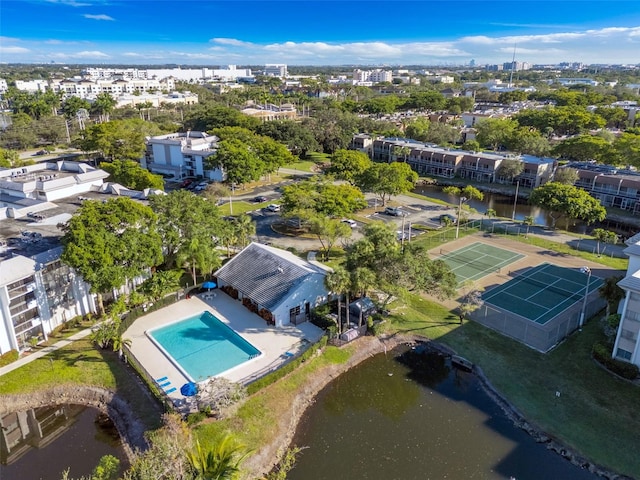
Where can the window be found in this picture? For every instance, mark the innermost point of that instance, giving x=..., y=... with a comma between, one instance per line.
x=623, y=354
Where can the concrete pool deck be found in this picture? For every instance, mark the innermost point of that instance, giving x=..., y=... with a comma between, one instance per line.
x=274, y=343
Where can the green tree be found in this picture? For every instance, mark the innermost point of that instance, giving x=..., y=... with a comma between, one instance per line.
x=627, y=147
x=529, y=141
x=604, y=236
x=8, y=158
x=103, y=105
x=470, y=301
x=611, y=292
x=584, y=148
x=209, y=116
x=510, y=168
x=240, y=162
x=320, y=196
x=297, y=137
x=161, y=283
x=388, y=179
x=494, y=133
x=464, y=195
x=185, y=223
x=348, y=165
x=72, y=105
x=337, y=282
x=132, y=175
x=111, y=243
x=528, y=221
x=245, y=228
x=567, y=201
x=566, y=175
x=328, y=231
x=119, y=139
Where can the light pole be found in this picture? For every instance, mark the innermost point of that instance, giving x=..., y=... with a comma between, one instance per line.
x=462, y=200
x=515, y=201
x=233, y=187
x=587, y=271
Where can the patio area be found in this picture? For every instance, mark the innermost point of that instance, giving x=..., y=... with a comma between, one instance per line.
x=277, y=345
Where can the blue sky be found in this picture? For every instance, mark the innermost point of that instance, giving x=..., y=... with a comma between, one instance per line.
x=329, y=32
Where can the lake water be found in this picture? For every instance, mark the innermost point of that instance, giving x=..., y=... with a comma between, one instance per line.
x=387, y=420
x=44, y=442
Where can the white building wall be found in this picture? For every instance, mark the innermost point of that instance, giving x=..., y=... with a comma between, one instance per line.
x=312, y=290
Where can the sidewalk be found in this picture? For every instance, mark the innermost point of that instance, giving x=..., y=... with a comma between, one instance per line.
x=44, y=351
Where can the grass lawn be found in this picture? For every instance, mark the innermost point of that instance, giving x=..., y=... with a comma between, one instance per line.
x=317, y=157
x=256, y=420
x=241, y=206
x=596, y=414
x=80, y=363
x=302, y=165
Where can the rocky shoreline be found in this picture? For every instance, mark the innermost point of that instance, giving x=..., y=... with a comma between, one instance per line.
x=130, y=428
x=266, y=459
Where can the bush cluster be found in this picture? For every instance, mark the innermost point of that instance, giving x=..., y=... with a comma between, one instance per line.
x=9, y=357
x=602, y=353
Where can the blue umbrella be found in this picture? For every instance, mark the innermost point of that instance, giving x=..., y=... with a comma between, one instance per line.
x=189, y=389
x=209, y=285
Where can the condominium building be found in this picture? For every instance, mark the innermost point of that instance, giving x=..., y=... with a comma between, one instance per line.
x=182, y=155
x=37, y=294
x=371, y=76
x=275, y=70
x=627, y=346
x=429, y=159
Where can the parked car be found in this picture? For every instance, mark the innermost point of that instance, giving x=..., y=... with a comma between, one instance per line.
x=351, y=223
x=273, y=207
x=395, y=211
x=186, y=182
x=41, y=152
x=260, y=199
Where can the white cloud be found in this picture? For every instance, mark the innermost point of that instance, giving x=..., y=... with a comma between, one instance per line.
x=88, y=54
x=99, y=17
x=14, y=50
x=70, y=3
x=232, y=42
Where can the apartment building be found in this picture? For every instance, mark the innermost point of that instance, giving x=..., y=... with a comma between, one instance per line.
x=37, y=294
x=627, y=346
x=613, y=187
x=428, y=159
x=361, y=77
x=182, y=155
x=275, y=70
x=85, y=88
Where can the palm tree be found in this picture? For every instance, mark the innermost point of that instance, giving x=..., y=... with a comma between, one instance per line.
x=245, y=228
x=220, y=462
x=611, y=292
x=338, y=282
x=528, y=221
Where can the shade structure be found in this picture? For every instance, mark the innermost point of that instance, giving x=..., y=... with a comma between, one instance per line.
x=189, y=389
x=209, y=285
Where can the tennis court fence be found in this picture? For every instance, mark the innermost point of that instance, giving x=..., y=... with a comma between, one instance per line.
x=541, y=337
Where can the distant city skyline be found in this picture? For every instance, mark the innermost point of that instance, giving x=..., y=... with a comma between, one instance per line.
x=329, y=32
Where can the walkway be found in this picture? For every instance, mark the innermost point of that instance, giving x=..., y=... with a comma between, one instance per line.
x=44, y=351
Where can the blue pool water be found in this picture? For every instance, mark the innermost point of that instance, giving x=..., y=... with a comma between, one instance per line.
x=203, y=346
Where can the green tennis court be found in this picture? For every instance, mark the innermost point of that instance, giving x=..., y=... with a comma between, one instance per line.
x=478, y=260
x=543, y=292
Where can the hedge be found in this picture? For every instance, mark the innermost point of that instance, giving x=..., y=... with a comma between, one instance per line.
x=9, y=357
x=276, y=375
x=602, y=353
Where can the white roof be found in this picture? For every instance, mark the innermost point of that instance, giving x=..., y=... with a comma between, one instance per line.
x=16, y=268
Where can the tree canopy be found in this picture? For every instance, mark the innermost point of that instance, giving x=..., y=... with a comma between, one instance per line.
x=387, y=179
x=562, y=200
x=321, y=196
x=348, y=165
x=132, y=175
x=118, y=139
x=111, y=243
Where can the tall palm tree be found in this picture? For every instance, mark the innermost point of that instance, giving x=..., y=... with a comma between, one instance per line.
x=338, y=282
x=245, y=228
x=611, y=292
x=220, y=462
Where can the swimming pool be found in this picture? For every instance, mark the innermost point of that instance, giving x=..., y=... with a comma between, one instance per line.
x=202, y=346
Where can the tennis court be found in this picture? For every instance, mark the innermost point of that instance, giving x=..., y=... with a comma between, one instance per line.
x=543, y=292
x=478, y=260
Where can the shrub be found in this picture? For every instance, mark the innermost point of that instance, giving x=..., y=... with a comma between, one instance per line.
x=602, y=353
x=9, y=357
x=285, y=369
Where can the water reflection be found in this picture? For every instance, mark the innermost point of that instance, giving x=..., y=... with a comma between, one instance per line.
x=43, y=442
x=442, y=425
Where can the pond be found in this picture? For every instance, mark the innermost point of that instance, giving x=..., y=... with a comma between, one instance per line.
x=414, y=416
x=43, y=442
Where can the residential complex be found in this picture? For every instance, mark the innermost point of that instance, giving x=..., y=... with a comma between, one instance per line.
x=627, y=344
x=428, y=159
x=182, y=155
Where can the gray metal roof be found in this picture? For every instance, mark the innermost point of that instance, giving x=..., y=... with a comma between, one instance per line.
x=265, y=274
x=631, y=282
